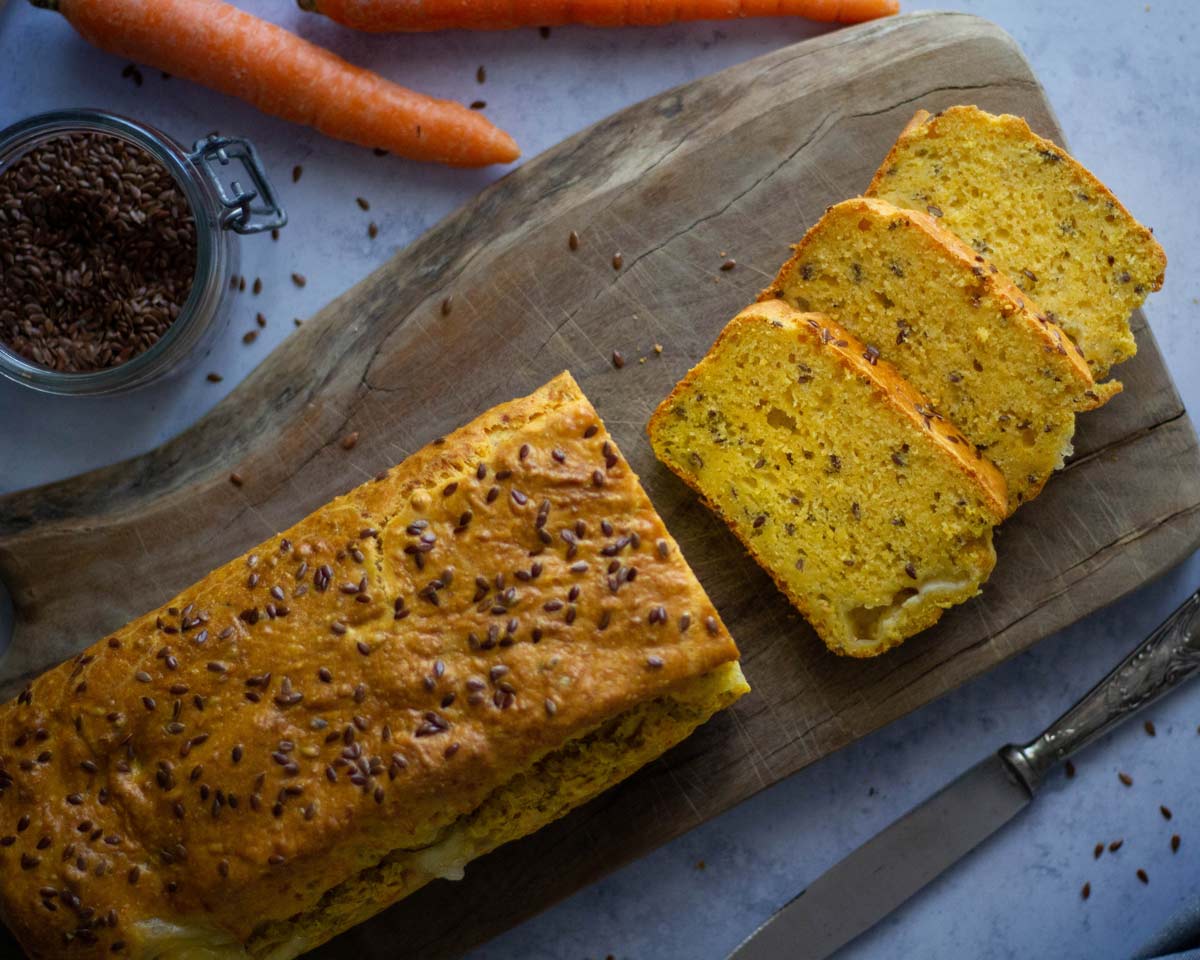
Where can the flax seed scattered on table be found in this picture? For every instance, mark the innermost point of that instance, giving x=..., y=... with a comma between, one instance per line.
x=1086, y=891
x=372, y=230
x=1099, y=850
x=236, y=479
x=728, y=265
x=481, y=74
x=350, y=441
x=1148, y=726
x=260, y=319
x=275, y=233
x=380, y=152
x=1070, y=768
x=1115, y=846
x=249, y=337
x=573, y=240
x=618, y=359
x=241, y=284
x=297, y=321
x=1125, y=779
x=1175, y=841
x=214, y=377
x=362, y=203
x=297, y=172
x=299, y=279
x=447, y=305
x=478, y=104
x=545, y=32
x=617, y=260
x=1141, y=875
x=257, y=288
x=1165, y=811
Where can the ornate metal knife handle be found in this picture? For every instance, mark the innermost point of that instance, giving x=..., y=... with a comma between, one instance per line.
x=1164, y=659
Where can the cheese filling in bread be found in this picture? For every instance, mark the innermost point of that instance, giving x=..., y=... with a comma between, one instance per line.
x=447, y=658
x=1025, y=204
x=954, y=326
x=871, y=512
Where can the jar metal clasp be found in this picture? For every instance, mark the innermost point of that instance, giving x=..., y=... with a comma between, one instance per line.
x=245, y=210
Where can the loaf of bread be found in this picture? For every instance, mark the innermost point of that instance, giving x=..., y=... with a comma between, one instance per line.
x=979, y=349
x=446, y=658
x=871, y=511
x=1039, y=215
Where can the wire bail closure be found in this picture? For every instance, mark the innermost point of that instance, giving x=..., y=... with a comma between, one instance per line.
x=241, y=212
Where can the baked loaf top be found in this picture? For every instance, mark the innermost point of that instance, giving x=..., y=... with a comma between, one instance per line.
x=345, y=689
x=871, y=511
x=980, y=349
x=1041, y=216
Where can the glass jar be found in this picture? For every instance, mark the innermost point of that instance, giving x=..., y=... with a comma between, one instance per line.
x=218, y=209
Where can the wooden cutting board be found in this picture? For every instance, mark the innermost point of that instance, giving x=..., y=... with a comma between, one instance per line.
x=736, y=165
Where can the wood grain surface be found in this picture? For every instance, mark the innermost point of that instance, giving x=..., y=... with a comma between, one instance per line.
x=737, y=166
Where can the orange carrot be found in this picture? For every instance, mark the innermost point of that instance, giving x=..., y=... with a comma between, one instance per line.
x=224, y=48
x=412, y=15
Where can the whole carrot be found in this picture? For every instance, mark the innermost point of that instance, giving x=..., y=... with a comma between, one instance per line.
x=219, y=46
x=413, y=15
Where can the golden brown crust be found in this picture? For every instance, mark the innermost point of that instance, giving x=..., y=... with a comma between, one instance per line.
x=923, y=118
x=891, y=387
x=918, y=118
x=322, y=700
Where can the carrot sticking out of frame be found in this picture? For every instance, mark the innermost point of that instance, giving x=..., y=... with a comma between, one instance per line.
x=413, y=15
x=222, y=47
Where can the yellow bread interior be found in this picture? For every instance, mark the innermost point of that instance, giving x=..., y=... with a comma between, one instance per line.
x=954, y=326
x=1043, y=218
x=556, y=783
x=872, y=515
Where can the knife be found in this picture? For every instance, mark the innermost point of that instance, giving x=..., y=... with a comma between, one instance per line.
x=855, y=894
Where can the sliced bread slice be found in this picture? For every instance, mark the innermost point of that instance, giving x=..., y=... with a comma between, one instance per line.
x=871, y=513
x=1038, y=214
x=979, y=348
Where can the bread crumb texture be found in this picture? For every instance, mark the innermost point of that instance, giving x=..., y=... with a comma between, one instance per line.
x=1025, y=204
x=981, y=350
x=444, y=659
x=871, y=511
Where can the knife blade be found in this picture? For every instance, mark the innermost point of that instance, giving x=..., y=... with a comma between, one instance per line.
x=889, y=868
x=859, y=891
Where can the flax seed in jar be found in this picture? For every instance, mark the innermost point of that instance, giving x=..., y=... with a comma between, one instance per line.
x=116, y=248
